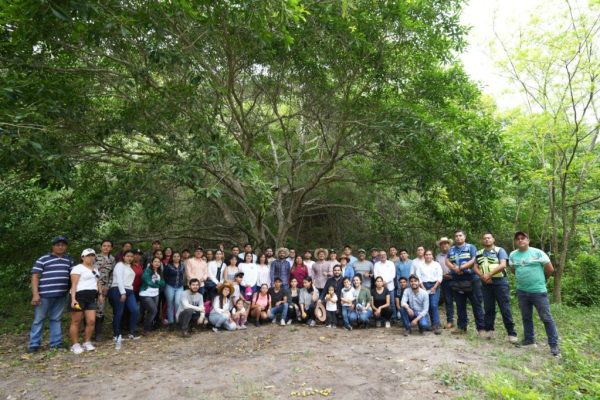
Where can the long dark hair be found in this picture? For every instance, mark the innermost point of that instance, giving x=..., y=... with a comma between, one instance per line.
x=222, y=297
x=159, y=269
x=309, y=280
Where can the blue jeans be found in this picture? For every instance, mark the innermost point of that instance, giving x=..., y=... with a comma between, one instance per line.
x=406, y=320
x=119, y=308
x=434, y=302
x=51, y=307
x=221, y=321
x=475, y=298
x=540, y=300
x=173, y=297
x=448, y=300
x=282, y=308
x=360, y=316
x=393, y=303
x=497, y=292
x=346, y=315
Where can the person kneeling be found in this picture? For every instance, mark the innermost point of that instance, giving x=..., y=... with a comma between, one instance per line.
x=415, y=307
x=191, y=309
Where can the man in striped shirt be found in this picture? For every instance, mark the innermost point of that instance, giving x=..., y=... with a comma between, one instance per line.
x=49, y=286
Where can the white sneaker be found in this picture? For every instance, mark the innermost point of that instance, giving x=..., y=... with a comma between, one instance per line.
x=289, y=321
x=387, y=324
x=513, y=339
x=273, y=321
x=88, y=346
x=77, y=349
x=378, y=324
x=118, y=342
x=282, y=323
x=243, y=327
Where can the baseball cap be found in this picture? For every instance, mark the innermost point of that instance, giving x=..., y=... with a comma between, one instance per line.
x=59, y=239
x=137, y=251
x=87, y=252
x=521, y=233
x=362, y=251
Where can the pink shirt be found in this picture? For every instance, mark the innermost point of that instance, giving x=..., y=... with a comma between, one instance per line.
x=196, y=269
x=262, y=301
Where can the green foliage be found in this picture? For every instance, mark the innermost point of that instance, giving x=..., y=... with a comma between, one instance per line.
x=582, y=280
x=574, y=376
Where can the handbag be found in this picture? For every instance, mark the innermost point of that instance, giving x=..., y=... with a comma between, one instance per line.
x=462, y=286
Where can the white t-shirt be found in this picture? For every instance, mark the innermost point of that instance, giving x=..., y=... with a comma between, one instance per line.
x=250, y=273
x=87, y=279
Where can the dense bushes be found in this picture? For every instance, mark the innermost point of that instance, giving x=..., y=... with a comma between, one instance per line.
x=582, y=280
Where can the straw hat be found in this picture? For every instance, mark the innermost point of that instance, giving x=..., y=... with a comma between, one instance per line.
x=320, y=249
x=444, y=240
x=320, y=313
x=226, y=285
x=284, y=249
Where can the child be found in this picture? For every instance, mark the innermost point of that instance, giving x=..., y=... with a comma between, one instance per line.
x=399, y=293
x=348, y=298
x=331, y=307
x=239, y=314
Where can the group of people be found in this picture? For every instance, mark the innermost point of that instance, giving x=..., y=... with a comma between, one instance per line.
x=181, y=290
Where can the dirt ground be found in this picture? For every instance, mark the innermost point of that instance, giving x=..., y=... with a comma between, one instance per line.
x=268, y=362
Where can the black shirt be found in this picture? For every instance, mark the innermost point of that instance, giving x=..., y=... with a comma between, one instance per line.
x=379, y=298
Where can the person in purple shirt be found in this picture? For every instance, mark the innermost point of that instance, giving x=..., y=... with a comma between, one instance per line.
x=280, y=268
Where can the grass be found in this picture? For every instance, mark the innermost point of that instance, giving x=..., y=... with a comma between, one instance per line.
x=537, y=375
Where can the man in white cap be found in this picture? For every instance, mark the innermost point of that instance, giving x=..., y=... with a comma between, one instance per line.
x=444, y=244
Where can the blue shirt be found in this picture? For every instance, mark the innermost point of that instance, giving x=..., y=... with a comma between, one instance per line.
x=174, y=276
x=54, y=275
x=352, y=261
x=403, y=269
x=462, y=255
x=280, y=269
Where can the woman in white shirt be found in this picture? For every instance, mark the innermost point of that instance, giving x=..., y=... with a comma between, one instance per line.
x=85, y=289
x=216, y=268
x=121, y=295
x=430, y=274
x=264, y=272
x=250, y=271
x=220, y=315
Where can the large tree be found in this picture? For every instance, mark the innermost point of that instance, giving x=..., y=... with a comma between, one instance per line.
x=253, y=108
x=556, y=68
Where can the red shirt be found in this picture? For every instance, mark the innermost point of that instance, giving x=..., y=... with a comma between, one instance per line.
x=137, y=281
x=299, y=272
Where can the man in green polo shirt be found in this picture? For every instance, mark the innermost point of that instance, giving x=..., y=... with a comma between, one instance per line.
x=532, y=268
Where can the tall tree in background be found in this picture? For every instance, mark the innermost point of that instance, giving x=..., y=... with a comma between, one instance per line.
x=252, y=108
x=555, y=64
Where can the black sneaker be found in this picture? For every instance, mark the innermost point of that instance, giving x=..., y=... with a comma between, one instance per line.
x=526, y=345
x=406, y=332
x=347, y=327
x=32, y=350
x=555, y=351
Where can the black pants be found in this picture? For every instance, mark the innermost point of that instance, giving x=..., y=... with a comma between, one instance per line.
x=149, y=307
x=187, y=317
x=331, y=318
x=386, y=315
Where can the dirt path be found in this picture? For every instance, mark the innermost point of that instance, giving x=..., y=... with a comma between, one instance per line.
x=259, y=363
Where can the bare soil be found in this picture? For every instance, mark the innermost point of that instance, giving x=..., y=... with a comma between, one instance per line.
x=268, y=362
